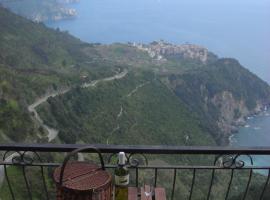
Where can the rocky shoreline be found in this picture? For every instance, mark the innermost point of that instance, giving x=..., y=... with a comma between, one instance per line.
x=242, y=122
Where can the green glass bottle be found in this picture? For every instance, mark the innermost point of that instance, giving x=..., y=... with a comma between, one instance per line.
x=121, y=178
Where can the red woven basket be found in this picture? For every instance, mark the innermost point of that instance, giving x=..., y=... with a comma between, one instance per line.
x=82, y=180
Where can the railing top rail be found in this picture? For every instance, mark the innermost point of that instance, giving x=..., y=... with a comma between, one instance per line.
x=146, y=149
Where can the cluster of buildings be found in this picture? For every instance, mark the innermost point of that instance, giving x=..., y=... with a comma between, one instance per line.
x=159, y=50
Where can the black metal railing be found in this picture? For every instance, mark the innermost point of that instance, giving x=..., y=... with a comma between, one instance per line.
x=186, y=172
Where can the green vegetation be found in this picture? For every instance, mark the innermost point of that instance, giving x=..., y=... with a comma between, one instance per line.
x=35, y=60
x=175, y=102
x=138, y=108
x=35, y=182
x=14, y=121
x=198, y=89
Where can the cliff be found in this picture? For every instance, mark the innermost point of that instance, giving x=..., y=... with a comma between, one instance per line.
x=223, y=94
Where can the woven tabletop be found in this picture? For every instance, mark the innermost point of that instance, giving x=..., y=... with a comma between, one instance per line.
x=82, y=176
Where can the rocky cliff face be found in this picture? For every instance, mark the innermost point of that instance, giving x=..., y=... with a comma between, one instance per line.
x=233, y=112
x=223, y=95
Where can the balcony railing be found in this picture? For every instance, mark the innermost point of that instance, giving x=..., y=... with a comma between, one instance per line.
x=186, y=172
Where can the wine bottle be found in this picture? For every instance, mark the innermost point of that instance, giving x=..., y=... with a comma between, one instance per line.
x=121, y=178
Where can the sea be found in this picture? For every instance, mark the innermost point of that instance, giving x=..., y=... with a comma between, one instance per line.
x=229, y=28
x=255, y=133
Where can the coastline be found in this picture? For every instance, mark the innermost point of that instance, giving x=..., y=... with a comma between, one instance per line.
x=265, y=112
x=46, y=12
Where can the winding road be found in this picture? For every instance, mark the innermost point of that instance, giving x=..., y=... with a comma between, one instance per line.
x=52, y=133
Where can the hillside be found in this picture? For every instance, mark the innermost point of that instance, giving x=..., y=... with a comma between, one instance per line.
x=181, y=107
x=138, y=109
x=34, y=61
x=183, y=96
x=120, y=94
x=222, y=94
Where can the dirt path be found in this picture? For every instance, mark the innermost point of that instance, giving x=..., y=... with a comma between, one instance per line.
x=121, y=110
x=137, y=87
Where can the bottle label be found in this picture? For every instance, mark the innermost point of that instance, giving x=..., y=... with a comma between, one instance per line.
x=121, y=180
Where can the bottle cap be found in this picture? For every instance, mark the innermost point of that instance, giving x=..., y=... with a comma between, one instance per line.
x=122, y=158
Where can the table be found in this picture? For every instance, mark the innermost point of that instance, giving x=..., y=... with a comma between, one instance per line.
x=133, y=192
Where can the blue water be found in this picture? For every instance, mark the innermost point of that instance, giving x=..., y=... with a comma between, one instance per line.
x=230, y=28
x=255, y=133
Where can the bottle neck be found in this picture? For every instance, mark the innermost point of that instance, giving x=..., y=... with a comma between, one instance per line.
x=122, y=159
